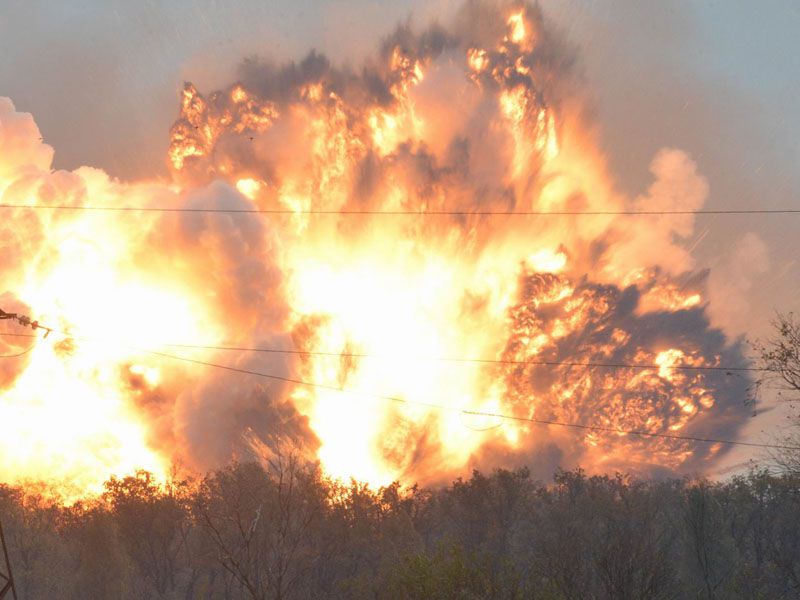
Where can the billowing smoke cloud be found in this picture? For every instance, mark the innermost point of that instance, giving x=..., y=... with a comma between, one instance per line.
x=731, y=280
x=383, y=313
x=111, y=287
x=676, y=187
x=232, y=261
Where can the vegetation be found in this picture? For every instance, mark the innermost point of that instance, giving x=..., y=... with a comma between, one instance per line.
x=779, y=356
x=283, y=531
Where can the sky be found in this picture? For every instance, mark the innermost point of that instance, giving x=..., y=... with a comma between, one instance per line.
x=102, y=78
x=719, y=80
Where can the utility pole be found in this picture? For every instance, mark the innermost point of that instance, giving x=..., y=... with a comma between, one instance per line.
x=6, y=578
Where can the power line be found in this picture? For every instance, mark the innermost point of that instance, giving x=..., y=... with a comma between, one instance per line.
x=429, y=213
x=445, y=407
x=23, y=353
x=477, y=412
x=476, y=360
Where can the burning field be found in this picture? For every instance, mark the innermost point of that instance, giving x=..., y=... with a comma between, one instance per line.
x=338, y=244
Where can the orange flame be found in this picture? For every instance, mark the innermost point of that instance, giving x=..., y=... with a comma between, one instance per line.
x=383, y=314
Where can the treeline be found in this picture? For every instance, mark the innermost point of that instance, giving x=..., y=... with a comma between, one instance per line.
x=284, y=531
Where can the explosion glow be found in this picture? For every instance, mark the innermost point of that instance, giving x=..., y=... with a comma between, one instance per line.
x=467, y=120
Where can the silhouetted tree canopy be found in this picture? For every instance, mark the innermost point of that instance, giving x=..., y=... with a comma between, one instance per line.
x=282, y=530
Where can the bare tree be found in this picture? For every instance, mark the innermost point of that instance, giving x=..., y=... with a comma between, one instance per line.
x=779, y=356
x=631, y=545
x=783, y=532
x=262, y=523
x=137, y=504
x=710, y=547
x=30, y=529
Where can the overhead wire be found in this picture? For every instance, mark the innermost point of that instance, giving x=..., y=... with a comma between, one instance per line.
x=463, y=411
x=478, y=413
x=470, y=360
x=431, y=213
x=23, y=353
